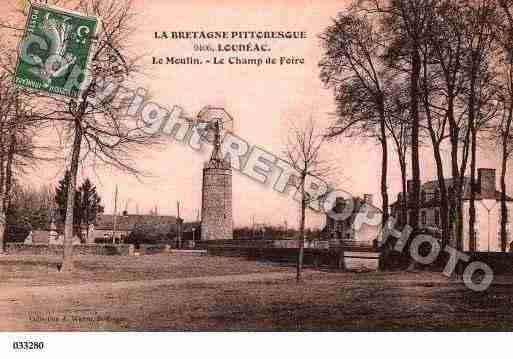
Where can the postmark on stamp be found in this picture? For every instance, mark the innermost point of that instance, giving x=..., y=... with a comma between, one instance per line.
x=56, y=44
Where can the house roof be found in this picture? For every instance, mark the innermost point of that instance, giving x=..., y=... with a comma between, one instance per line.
x=130, y=221
x=358, y=203
x=431, y=186
x=188, y=226
x=359, y=206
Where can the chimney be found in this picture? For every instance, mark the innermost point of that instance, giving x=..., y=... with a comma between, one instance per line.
x=367, y=198
x=486, y=182
x=409, y=186
x=409, y=190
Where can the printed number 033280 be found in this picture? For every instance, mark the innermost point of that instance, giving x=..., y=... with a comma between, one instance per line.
x=28, y=345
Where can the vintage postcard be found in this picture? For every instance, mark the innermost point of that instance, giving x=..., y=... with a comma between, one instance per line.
x=255, y=166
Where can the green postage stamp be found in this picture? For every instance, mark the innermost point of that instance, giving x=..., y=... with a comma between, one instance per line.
x=54, y=53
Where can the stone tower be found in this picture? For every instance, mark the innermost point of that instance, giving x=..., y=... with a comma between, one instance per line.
x=216, y=202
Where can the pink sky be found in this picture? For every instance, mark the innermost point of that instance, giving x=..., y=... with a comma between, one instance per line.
x=262, y=100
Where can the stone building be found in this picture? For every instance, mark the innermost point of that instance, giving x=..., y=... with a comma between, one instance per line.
x=192, y=231
x=216, y=202
x=49, y=236
x=216, y=193
x=102, y=229
x=487, y=204
x=348, y=228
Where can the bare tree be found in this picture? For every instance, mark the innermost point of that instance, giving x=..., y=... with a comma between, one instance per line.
x=406, y=23
x=7, y=103
x=17, y=149
x=96, y=127
x=437, y=77
x=352, y=65
x=503, y=34
x=480, y=90
x=99, y=124
x=30, y=207
x=303, y=152
x=504, y=137
x=399, y=127
x=437, y=100
x=442, y=88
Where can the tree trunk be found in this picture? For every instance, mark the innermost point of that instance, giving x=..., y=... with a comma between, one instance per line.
x=404, y=198
x=86, y=222
x=459, y=219
x=458, y=195
x=301, y=239
x=384, y=168
x=435, y=141
x=444, y=205
x=455, y=215
x=8, y=181
x=504, y=208
x=415, y=166
x=2, y=226
x=472, y=203
x=504, y=166
x=2, y=189
x=473, y=139
x=67, y=259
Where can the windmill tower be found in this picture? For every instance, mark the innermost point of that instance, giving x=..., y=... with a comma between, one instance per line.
x=216, y=201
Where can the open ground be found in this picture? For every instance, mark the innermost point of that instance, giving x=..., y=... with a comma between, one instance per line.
x=173, y=292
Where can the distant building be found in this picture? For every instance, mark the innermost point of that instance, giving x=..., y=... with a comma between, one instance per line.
x=216, y=203
x=487, y=204
x=103, y=228
x=49, y=236
x=192, y=231
x=157, y=226
x=348, y=229
x=216, y=190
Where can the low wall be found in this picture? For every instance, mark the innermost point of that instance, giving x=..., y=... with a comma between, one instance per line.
x=290, y=243
x=360, y=260
x=83, y=249
x=365, y=259
x=279, y=243
x=189, y=252
x=500, y=263
x=154, y=249
x=245, y=243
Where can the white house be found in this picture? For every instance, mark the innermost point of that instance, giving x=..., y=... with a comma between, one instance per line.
x=487, y=204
